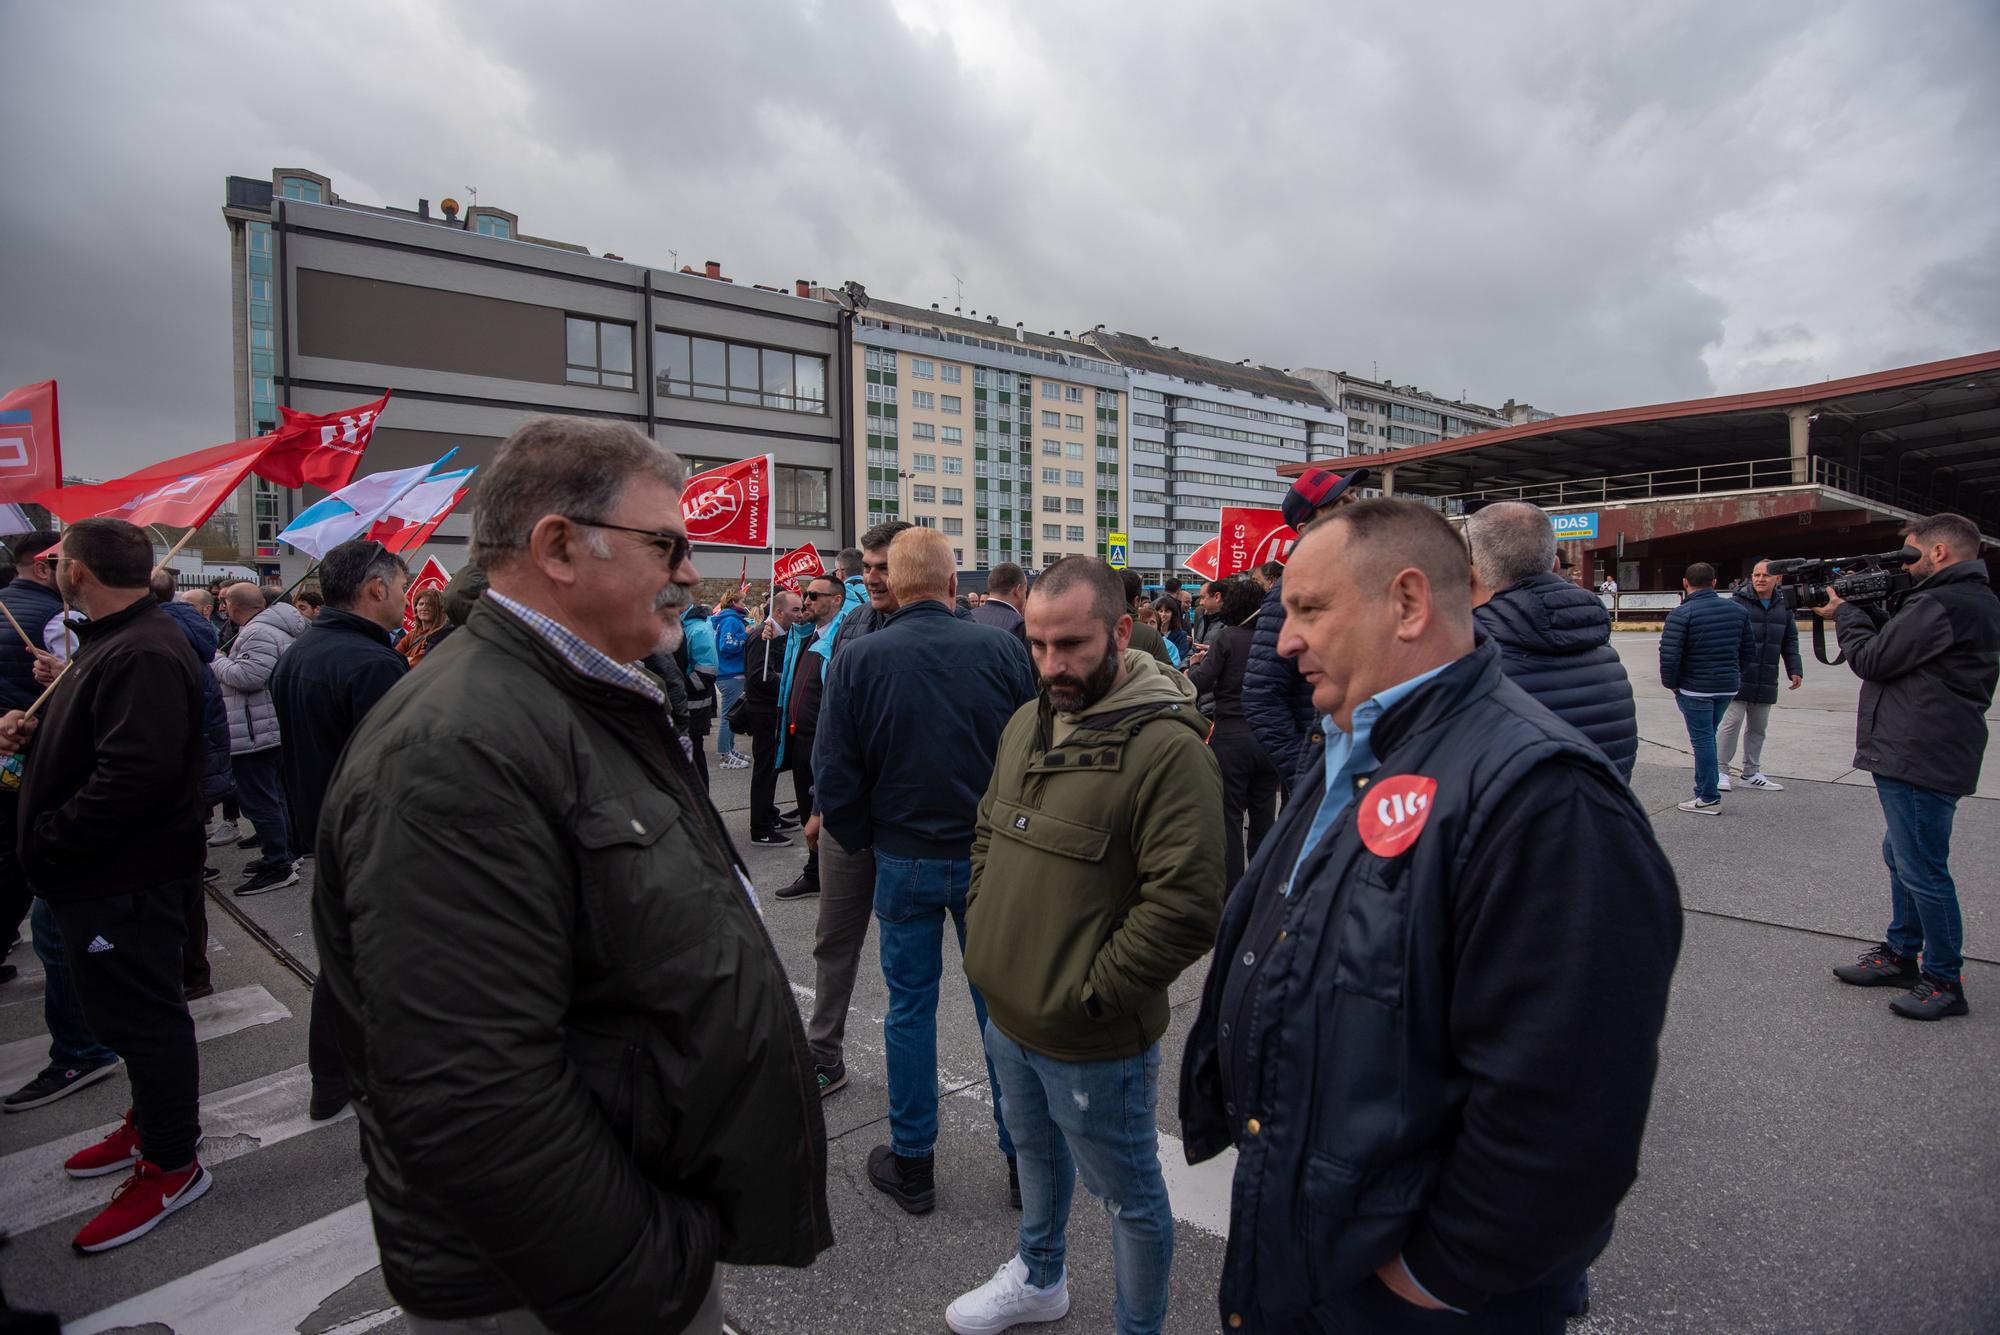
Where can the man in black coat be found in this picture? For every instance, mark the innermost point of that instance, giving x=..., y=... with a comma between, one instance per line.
x=1774, y=643
x=1555, y=638
x=322, y=688
x=1927, y=679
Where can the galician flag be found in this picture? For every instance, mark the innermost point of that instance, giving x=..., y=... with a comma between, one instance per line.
x=353, y=510
x=411, y=521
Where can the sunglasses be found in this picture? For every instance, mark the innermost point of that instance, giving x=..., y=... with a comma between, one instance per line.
x=674, y=546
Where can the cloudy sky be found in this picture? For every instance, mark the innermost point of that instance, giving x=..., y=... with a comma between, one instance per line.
x=1559, y=202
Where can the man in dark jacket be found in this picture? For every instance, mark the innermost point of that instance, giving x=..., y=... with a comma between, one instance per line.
x=1927, y=679
x=1006, y=595
x=1702, y=648
x=323, y=687
x=577, y=1064
x=825, y=597
x=1555, y=638
x=1277, y=701
x=196, y=981
x=1774, y=643
x=1428, y=1113
x=1096, y=881
x=911, y=718
x=110, y=836
x=768, y=658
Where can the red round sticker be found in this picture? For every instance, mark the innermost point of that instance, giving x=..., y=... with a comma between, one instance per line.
x=1393, y=813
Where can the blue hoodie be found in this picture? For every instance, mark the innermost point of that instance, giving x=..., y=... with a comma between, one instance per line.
x=731, y=635
x=701, y=643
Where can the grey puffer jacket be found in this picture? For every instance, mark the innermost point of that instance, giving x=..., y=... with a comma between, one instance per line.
x=245, y=673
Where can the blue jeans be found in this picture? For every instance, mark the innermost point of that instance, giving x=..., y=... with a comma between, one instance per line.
x=1098, y=1117
x=72, y=1042
x=1923, y=900
x=726, y=691
x=1703, y=713
x=912, y=897
x=260, y=790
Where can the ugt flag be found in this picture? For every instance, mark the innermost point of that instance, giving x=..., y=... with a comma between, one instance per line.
x=320, y=449
x=353, y=510
x=730, y=506
x=1203, y=559
x=411, y=521
x=30, y=441
x=792, y=567
x=181, y=492
x=1252, y=535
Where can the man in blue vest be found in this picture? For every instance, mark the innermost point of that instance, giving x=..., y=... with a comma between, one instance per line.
x=1432, y=1023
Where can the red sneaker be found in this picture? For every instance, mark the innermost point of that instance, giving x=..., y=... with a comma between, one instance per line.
x=141, y=1201
x=113, y=1154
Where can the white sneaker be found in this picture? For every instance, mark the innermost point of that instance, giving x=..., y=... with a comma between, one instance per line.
x=1008, y=1299
x=1758, y=780
x=1696, y=806
x=222, y=833
x=734, y=760
x=1723, y=783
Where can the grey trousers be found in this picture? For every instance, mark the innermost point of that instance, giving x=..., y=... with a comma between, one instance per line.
x=520, y=1321
x=846, y=907
x=1759, y=719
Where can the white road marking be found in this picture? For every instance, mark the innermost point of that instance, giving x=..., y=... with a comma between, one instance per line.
x=234, y=1122
x=270, y=1287
x=214, y=1016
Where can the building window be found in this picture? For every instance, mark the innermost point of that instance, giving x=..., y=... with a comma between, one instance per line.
x=1051, y=390
x=923, y=463
x=921, y=369
x=922, y=398
x=299, y=188
x=1073, y=394
x=926, y=521
x=600, y=353
x=1072, y=422
x=804, y=497
x=1053, y=504
x=922, y=495
x=922, y=431
x=488, y=225
x=1073, y=505
x=1052, y=419
x=1051, y=475
x=1052, y=447
x=1052, y=532
x=1073, y=477
x=952, y=404
x=1073, y=449
x=954, y=495
x=951, y=374
x=953, y=526
x=953, y=464
x=691, y=366
x=954, y=435
x=981, y=376
x=1073, y=533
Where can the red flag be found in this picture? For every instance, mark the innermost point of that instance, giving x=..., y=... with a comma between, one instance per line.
x=730, y=506
x=30, y=441
x=432, y=576
x=794, y=566
x=1250, y=537
x=181, y=493
x=1203, y=562
x=320, y=449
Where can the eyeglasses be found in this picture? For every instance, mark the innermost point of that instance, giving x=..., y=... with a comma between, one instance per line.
x=674, y=546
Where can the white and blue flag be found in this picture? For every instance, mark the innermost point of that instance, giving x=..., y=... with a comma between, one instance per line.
x=353, y=510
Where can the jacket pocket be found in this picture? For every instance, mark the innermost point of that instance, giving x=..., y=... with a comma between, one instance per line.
x=1356, y=1221
x=1047, y=833
x=1374, y=931
x=646, y=891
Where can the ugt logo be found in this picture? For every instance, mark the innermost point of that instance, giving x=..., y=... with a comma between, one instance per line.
x=712, y=509
x=17, y=442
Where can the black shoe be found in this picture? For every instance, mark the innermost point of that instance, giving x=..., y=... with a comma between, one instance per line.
x=322, y=1106
x=1932, y=999
x=1013, y=1183
x=56, y=1082
x=785, y=822
x=252, y=842
x=269, y=878
x=196, y=991
x=1879, y=966
x=771, y=840
x=910, y=1182
x=806, y=884
x=831, y=1078
x=211, y=873
x=8, y=973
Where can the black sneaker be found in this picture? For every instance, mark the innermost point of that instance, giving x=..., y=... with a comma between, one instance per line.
x=1932, y=999
x=196, y=991
x=1013, y=1183
x=8, y=973
x=211, y=873
x=771, y=840
x=324, y=1105
x=269, y=878
x=910, y=1182
x=1879, y=966
x=831, y=1078
x=785, y=822
x=806, y=884
x=56, y=1082
x=252, y=842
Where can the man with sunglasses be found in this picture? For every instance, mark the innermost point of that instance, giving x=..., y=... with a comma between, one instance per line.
x=824, y=598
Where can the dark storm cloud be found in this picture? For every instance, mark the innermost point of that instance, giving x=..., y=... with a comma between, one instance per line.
x=1565, y=202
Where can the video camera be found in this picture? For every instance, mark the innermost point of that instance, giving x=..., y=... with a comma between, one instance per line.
x=1866, y=581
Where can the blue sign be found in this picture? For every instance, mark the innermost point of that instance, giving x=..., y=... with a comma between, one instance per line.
x=1572, y=528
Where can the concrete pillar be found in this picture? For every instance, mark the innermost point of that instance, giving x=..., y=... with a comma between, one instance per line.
x=1389, y=480
x=1800, y=421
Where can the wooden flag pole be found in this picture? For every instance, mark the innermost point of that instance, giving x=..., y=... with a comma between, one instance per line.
x=175, y=550
x=42, y=699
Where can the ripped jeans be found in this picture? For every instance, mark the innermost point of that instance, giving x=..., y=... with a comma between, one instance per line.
x=1097, y=1117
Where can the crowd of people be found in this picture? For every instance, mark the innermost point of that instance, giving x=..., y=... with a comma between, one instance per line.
x=1359, y=782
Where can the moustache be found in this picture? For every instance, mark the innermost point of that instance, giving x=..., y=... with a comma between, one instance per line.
x=671, y=598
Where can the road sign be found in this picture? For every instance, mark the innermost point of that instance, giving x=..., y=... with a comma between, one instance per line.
x=1575, y=527
x=1115, y=552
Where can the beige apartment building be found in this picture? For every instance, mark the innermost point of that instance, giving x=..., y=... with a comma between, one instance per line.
x=1012, y=444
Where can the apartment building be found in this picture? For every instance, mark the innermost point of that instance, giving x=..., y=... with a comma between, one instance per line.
x=1013, y=444
x=1383, y=416
x=476, y=326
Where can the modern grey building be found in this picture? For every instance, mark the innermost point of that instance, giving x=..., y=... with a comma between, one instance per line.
x=1208, y=433
x=476, y=327
x=1384, y=416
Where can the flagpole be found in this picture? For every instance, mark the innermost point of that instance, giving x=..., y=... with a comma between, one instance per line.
x=32, y=646
x=175, y=550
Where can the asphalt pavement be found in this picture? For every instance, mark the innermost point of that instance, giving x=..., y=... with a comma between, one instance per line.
x=1813, y=1163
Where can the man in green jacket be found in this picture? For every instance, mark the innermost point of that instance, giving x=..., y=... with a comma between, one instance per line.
x=1097, y=878
x=579, y=1071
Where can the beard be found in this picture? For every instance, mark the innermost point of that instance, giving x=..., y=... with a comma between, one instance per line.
x=1073, y=695
x=671, y=601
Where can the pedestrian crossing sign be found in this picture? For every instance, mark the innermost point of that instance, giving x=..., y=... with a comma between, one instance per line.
x=1114, y=551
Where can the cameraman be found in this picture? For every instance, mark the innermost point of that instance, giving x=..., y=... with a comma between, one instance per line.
x=1927, y=673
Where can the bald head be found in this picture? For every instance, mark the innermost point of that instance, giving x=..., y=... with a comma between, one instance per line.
x=1510, y=542
x=1387, y=537
x=921, y=566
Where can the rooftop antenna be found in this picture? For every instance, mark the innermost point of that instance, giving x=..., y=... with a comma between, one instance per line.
x=959, y=285
x=673, y=257
x=473, y=190
x=1375, y=370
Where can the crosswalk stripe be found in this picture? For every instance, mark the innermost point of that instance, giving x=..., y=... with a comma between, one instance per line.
x=235, y=1121
x=270, y=1287
x=214, y=1017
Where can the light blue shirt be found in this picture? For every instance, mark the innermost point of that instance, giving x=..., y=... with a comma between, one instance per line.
x=1348, y=754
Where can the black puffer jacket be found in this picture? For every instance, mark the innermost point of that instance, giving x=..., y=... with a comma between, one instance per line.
x=34, y=606
x=1555, y=644
x=1277, y=701
x=1774, y=636
x=216, y=777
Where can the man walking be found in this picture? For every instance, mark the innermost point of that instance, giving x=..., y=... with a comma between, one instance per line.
x=1702, y=649
x=577, y=1063
x=911, y=719
x=825, y=600
x=1096, y=881
x=767, y=671
x=263, y=636
x=1555, y=638
x=110, y=837
x=1927, y=679
x=322, y=689
x=1429, y=1112
x=1006, y=595
x=1774, y=643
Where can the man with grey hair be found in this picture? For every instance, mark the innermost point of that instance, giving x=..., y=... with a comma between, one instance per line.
x=1555, y=638
x=580, y=1075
